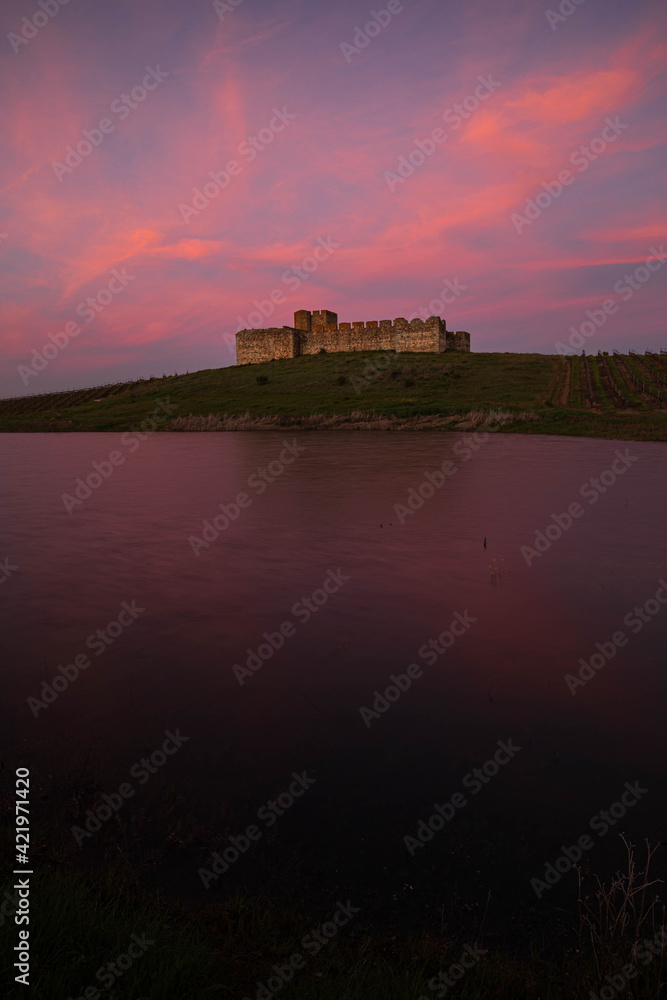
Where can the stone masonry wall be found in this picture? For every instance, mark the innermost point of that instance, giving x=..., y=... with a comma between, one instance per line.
x=370, y=336
x=459, y=341
x=418, y=335
x=253, y=346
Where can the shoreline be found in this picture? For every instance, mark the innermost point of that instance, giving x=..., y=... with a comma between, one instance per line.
x=620, y=398
x=550, y=423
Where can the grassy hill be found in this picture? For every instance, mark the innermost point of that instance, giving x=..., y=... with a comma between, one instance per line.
x=623, y=396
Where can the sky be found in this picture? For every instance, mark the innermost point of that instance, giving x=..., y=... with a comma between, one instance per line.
x=500, y=163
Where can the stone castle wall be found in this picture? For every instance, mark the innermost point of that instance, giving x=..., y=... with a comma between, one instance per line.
x=253, y=346
x=459, y=341
x=317, y=331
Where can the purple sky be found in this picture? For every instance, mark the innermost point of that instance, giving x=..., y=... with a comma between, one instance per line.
x=322, y=125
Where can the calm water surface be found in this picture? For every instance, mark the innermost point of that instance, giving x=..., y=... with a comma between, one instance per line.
x=333, y=509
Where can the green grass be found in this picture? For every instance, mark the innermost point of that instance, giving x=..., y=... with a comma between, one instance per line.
x=625, y=388
x=575, y=400
x=80, y=924
x=598, y=387
x=637, y=368
x=85, y=912
x=658, y=372
x=384, y=384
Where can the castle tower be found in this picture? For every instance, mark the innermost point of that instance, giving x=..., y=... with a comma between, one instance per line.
x=323, y=317
x=303, y=320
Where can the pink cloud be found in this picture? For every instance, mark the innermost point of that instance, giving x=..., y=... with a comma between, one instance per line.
x=323, y=175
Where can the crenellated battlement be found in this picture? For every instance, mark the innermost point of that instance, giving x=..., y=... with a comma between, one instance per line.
x=314, y=332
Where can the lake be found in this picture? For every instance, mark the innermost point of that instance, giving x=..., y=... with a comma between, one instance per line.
x=372, y=613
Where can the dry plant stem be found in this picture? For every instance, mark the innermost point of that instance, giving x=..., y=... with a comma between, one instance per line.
x=620, y=911
x=348, y=421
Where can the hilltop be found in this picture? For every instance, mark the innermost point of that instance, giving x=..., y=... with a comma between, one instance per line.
x=620, y=396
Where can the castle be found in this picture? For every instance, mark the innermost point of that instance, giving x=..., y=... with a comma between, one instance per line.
x=320, y=331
